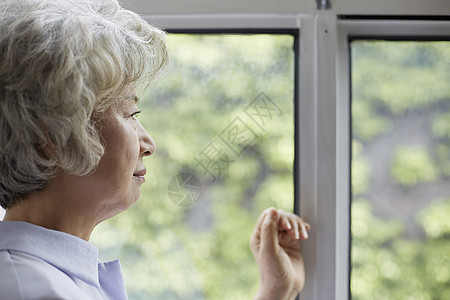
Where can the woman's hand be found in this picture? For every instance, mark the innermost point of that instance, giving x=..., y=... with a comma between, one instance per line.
x=275, y=244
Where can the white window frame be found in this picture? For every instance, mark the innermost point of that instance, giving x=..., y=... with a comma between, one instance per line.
x=325, y=139
x=287, y=7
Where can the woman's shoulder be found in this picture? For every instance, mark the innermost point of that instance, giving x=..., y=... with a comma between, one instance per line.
x=9, y=283
x=24, y=276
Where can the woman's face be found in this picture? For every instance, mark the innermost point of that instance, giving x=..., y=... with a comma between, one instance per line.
x=116, y=183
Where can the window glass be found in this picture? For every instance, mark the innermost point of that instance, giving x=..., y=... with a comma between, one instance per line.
x=223, y=122
x=400, y=169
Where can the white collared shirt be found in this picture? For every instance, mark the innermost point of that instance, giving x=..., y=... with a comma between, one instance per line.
x=39, y=263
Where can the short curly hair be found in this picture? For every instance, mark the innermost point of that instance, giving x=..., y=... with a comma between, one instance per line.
x=60, y=62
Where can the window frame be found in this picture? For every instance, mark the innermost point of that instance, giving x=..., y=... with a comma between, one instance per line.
x=346, y=31
x=395, y=30
x=287, y=7
x=323, y=134
x=326, y=145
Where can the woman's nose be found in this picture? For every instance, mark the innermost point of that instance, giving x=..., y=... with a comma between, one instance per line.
x=147, y=144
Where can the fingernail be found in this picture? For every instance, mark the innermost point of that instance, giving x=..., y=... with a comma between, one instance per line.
x=288, y=225
x=272, y=214
x=297, y=234
x=305, y=233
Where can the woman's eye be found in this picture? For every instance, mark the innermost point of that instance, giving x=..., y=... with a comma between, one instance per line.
x=135, y=114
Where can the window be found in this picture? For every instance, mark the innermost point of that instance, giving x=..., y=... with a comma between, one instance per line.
x=223, y=122
x=325, y=139
x=400, y=169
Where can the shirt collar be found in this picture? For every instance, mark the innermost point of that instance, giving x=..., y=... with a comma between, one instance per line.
x=66, y=252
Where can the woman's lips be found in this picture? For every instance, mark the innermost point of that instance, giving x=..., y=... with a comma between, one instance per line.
x=139, y=175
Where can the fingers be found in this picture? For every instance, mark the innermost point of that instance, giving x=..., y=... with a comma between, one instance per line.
x=262, y=217
x=255, y=240
x=273, y=221
x=269, y=230
x=296, y=227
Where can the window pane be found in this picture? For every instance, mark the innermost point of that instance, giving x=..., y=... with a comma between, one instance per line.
x=400, y=170
x=223, y=122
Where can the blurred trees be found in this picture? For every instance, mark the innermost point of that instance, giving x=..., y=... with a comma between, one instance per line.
x=400, y=170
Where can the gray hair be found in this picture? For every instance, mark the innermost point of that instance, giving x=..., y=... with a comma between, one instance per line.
x=60, y=62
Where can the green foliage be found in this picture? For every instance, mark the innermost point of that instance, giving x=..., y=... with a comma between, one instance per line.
x=441, y=131
x=368, y=124
x=442, y=153
x=388, y=265
x=435, y=219
x=401, y=150
x=360, y=170
x=412, y=165
x=400, y=76
x=441, y=126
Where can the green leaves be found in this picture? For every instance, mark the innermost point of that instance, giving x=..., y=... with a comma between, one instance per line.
x=413, y=165
x=400, y=170
x=435, y=219
x=388, y=265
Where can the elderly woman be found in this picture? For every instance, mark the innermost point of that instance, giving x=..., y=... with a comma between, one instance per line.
x=72, y=150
